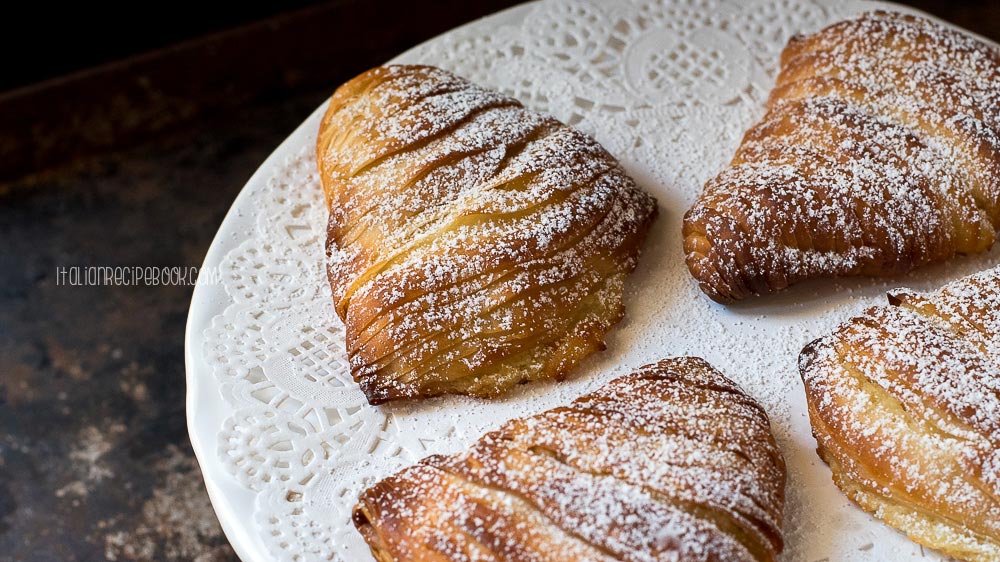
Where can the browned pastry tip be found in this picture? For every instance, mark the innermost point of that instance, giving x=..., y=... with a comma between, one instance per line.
x=671, y=462
x=472, y=244
x=879, y=153
x=904, y=402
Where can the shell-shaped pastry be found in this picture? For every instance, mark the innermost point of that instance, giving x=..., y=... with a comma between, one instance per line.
x=879, y=153
x=671, y=462
x=905, y=405
x=473, y=244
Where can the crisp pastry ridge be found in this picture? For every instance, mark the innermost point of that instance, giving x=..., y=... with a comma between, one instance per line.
x=879, y=152
x=472, y=244
x=671, y=462
x=904, y=402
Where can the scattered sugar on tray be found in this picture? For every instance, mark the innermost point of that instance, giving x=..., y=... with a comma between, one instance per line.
x=795, y=336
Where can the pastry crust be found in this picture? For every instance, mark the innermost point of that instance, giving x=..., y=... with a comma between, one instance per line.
x=905, y=406
x=672, y=462
x=472, y=244
x=879, y=153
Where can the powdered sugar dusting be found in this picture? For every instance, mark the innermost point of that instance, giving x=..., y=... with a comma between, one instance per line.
x=672, y=462
x=473, y=244
x=275, y=341
x=906, y=399
x=880, y=152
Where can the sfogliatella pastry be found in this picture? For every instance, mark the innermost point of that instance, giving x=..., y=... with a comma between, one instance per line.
x=671, y=462
x=905, y=405
x=879, y=153
x=473, y=244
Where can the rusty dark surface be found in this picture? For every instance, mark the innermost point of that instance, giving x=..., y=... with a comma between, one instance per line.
x=121, y=103
x=94, y=456
x=95, y=462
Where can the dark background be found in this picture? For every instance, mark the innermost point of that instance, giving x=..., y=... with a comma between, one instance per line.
x=61, y=38
x=46, y=40
x=125, y=134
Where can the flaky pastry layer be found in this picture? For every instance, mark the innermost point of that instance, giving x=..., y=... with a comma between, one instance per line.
x=905, y=406
x=672, y=462
x=879, y=153
x=472, y=244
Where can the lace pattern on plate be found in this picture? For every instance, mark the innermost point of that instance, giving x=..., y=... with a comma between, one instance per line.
x=668, y=86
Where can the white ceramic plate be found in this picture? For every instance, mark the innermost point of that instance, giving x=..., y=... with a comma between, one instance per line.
x=284, y=438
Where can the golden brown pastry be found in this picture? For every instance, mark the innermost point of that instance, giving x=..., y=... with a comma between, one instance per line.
x=672, y=462
x=905, y=405
x=472, y=244
x=879, y=153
